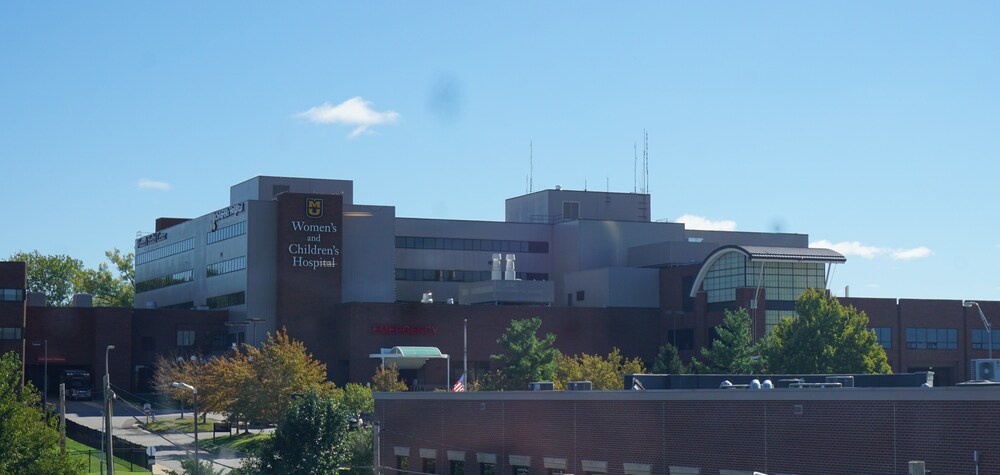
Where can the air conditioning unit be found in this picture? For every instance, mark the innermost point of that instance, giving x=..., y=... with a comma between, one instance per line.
x=580, y=386
x=541, y=386
x=985, y=369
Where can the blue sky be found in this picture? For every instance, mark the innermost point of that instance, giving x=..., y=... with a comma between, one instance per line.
x=871, y=126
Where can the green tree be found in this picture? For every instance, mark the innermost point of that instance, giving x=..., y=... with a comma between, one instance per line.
x=109, y=290
x=52, y=275
x=527, y=358
x=311, y=438
x=826, y=337
x=358, y=399
x=604, y=373
x=27, y=445
x=278, y=369
x=668, y=361
x=732, y=352
x=387, y=380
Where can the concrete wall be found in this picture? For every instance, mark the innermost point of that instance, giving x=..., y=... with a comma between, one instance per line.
x=547, y=206
x=614, y=287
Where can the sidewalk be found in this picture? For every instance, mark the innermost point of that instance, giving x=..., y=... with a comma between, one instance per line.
x=170, y=448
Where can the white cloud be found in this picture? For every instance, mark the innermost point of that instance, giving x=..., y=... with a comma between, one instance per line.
x=855, y=248
x=907, y=254
x=152, y=185
x=355, y=111
x=700, y=222
x=850, y=248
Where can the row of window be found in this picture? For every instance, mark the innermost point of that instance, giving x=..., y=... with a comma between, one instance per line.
x=225, y=267
x=165, y=251
x=980, y=337
x=11, y=333
x=931, y=338
x=884, y=336
x=227, y=232
x=11, y=295
x=227, y=300
x=430, y=275
x=457, y=244
x=519, y=465
x=164, y=281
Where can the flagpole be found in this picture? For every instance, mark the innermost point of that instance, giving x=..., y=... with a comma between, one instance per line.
x=465, y=351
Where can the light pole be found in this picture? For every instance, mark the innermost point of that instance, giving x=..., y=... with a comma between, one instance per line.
x=195, y=391
x=986, y=323
x=107, y=413
x=254, y=321
x=45, y=395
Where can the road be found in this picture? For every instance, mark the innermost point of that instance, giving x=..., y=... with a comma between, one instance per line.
x=170, y=448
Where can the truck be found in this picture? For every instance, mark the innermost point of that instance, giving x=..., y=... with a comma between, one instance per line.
x=78, y=384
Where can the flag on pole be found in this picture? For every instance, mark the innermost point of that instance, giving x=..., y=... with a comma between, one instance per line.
x=459, y=385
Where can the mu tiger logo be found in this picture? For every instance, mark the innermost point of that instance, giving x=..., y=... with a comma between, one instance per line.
x=314, y=207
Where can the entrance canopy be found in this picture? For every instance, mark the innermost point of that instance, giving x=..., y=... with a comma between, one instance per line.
x=409, y=357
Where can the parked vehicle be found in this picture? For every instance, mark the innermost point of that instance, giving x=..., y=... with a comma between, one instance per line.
x=78, y=384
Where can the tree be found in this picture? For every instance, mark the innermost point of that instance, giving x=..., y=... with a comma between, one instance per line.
x=358, y=399
x=109, y=290
x=604, y=373
x=52, y=275
x=826, y=337
x=387, y=380
x=527, y=358
x=61, y=276
x=27, y=445
x=279, y=369
x=668, y=361
x=732, y=352
x=311, y=438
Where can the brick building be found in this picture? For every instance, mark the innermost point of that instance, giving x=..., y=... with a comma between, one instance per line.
x=845, y=431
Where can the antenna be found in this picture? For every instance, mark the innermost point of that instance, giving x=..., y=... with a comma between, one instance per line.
x=607, y=185
x=635, y=164
x=645, y=162
x=531, y=166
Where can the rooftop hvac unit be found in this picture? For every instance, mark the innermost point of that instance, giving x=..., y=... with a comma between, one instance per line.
x=541, y=386
x=985, y=369
x=580, y=386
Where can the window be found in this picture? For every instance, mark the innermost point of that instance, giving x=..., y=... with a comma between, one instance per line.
x=185, y=337
x=10, y=333
x=430, y=465
x=518, y=470
x=487, y=469
x=687, y=301
x=11, y=295
x=462, y=244
x=571, y=210
x=228, y=300
x=682, y=339
x=457, y=467
x=164, y=281
x=182, y=306
x=225, y=267
x=931, y=338
x=165, y=251
x=979, y=339
x=403, y=462
x=227, y=232
x=556, y=471
x=579, y=296
x=884, y=336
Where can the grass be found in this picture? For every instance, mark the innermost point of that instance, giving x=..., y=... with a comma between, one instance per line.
x=180, y=425
x=92, y=459
x=243, y=443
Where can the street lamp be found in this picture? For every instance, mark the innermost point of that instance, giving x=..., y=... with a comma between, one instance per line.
x=45, y=395
x=986, y=323
x=195, y=391
x=254, y=321
x=107, y=413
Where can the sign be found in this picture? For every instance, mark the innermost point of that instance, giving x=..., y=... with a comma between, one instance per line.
x=314, y=207
x=150, y=239
x=52, y=359
x=230, y=211
x=403, y=330
x=146, y=408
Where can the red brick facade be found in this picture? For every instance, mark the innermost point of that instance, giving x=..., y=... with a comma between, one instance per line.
x=840, y=431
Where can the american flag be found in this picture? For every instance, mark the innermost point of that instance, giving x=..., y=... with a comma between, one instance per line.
x=459, y=385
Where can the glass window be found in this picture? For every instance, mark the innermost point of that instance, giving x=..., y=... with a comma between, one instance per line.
x=980, y=337
x=227, y=232
x=12, y=295
x=10, y=333
x=457, y=467
x=165, y=251
x=225, y=267
x=403, y=462
x=519, y=470
x=164, y=281
x=227, y=300
x=884, y=336
x=487, y=469
x=932, y=338
x=185, y=337
x=430, y=465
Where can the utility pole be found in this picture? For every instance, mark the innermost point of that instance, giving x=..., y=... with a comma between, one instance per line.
x=62, y=418
x=376, y=469
x=465, y=353
x=107, y=413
